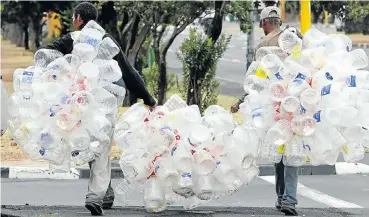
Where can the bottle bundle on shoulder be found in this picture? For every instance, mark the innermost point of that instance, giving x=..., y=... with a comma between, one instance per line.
x=64, y=106
x=309, y=98
x=180, y=156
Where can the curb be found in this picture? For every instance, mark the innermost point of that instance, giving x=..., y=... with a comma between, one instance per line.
x=340, y=168
x=361, y=45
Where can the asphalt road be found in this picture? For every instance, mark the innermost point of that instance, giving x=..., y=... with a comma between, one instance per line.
x=317, y=195
x=231, y=67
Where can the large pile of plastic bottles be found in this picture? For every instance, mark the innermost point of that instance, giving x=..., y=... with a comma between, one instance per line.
x=64, y=107
x=309, y=99
x=174, y=150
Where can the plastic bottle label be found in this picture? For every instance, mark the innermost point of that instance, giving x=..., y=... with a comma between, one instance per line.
x=65, y=99
x=92, y=42
x=306, y=147
x=46, y=138
x=186, y=175
x=260, y=72
x=316, y=116
x=173, y=150
x=300, y=76
x=42, y=151
x=326, y=90
x=281, y=149
x=258, y=114
x=278, y=76
x=27, y=77
x=156, y=169
x=351, y=81
x=328, y=76
x=297, y=81
x=296, y=51
x=26, y=97
x=302, y=109
x=345, y=149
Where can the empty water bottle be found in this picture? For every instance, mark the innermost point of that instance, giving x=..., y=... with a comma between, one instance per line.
x=107, y=49
x=110, y=71
x=165, y=171
x=45, y=56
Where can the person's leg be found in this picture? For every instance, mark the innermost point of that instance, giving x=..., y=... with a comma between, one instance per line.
x=108, y=198
x=289, y=198
x=279, y=183
x=100, y=177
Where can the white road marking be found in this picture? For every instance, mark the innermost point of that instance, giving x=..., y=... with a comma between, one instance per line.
x=317, y=195
x=41, y=173
x=228, y=80
x=343, y=168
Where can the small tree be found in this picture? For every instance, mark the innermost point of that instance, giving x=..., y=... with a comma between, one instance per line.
x=197, y=87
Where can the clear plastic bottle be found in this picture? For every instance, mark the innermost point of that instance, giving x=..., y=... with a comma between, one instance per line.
x=110, y=71
x=84, y=51
x=294, y=154
x=124, y=189
x=280, y=132
x=290, y=105
x=204, y=187
x=165, y=171
x=138, y=169
x=303, y=125
x=185, y=185
x=43, y=57
x=204, y=162
x=82, y=157
x=107, y=49
x=278, y=91
x=309, y=100
x=89, y=36
x=225, y=173
x=80, y=139
x=288, y=41
x=271, y=63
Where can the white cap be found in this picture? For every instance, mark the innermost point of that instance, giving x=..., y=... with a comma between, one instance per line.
x=270, y=12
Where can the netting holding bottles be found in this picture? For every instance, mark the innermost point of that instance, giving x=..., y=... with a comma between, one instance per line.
x=177, y=153
x=312, y=103
x=64, y=107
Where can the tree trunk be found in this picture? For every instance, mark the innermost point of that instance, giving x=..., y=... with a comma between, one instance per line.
x=26, y=36
x=135, y=48
x=37, y=32
x=162, y=83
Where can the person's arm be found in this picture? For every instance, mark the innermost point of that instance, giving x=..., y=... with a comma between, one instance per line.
x=64, y=44
x=132, y=79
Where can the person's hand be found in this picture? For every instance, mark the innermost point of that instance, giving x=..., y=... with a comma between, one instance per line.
x=153, y=107
x=235, y=108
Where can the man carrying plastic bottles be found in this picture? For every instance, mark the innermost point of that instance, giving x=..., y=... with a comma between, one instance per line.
x=100, y=193
x=285, y=176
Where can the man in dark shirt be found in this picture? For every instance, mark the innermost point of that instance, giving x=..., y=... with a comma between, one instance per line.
x=100, y=194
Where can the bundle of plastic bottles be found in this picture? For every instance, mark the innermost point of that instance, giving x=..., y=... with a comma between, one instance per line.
x=308, y=99
x=180, y=156
x=64, y=107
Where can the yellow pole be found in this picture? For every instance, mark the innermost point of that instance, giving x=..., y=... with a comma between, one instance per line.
x=305, y=16
x=282, y=6
x=325, y=17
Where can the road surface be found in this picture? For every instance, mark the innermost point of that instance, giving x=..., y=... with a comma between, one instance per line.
x=231, y=67
x=318, y=196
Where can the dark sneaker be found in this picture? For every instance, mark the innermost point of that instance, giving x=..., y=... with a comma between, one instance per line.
x=108, y=203
x=108, y=199
x=278, y=205
x=289, y=211
x=95, y=209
